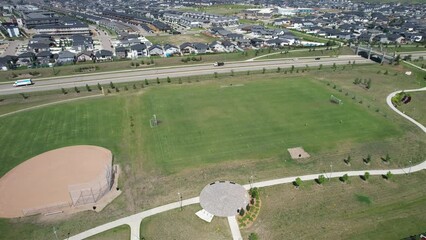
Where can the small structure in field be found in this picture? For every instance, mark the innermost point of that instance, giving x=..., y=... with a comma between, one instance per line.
x=298, y=152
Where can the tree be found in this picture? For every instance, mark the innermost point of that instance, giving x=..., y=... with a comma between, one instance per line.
x=334, y=66
x=348, y=160
x=168, y=79
x=248, y=72
x=76, y=90
x=134, y=86
x=248, y=207
x=366, y=176
x=278, y=69
x=344, y=178
x=254, y=192
x=146, y=82
x=320, y=67
x=126, y=88
x=215, y=74
x=292, y=68
x=117, y=90
x=64, y=91
x=321, y=179
x=88, y=88
x=367, y=160
x=368, y=86
x=298, y=182
x=263, y=70
x=158, y=80
x=111, y=85
x=99, y=87
x=180, y=81
x=253, y=236
x=152, y=61
x=232, y=73
x=387, y=158
x=388, y=175
x=242, y=212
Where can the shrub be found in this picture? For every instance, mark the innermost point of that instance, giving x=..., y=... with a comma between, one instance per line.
x=344, y=178
x=88, y=88
x=168, y=80
x=254, y=192
x=64, y=91
x=126, y=88
x=146, y=82
x=242, y=212
x=321, y=179
x=366, y=176
x=99, y=87
x=367, y=159
x=297, y=182
x=76, y=90
x=111, y=85
x=386, y=158
x=248, y=207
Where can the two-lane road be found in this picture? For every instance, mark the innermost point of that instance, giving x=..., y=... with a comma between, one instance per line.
x=173, y=72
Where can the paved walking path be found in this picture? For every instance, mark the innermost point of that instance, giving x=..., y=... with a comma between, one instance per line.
x=135, y=220
x=235, y=230
x=414, y=65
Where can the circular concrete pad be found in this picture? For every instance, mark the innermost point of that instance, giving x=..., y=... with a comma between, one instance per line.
x=224, y=198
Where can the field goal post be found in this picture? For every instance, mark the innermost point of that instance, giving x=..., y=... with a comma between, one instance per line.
x=336, y=100
x=153, y=122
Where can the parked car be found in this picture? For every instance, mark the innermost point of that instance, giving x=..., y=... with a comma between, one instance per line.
x=217, y=64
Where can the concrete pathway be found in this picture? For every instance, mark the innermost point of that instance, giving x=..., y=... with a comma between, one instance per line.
x=135, y=220
x=235, y=230
x=414, y=65
x=389, y=102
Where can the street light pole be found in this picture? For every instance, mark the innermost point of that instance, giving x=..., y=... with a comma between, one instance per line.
x=409, y=170
x=54, y=232
x=251, y=181
x=180, y=199
x=331, y=171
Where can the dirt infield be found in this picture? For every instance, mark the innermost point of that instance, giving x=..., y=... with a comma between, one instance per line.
x=298, y=152
x=42, y=182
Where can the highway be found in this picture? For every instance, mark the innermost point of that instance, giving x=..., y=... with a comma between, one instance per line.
x=173, y=72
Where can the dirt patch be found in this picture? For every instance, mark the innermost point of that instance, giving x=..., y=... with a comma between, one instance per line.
x=298, y=152
x=42, y=183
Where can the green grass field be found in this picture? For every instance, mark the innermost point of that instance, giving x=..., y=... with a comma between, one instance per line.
x=199, y=124
x=210, y=130
x=415, y=108
x=177, y=224
x=376, y=209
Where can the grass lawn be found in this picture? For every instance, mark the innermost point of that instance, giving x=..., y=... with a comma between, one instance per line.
x=306, y=53
x=376, y=209
x=209, y=132
x=416, y=107
x=119, y=233
x=181, y=38
x=177, y=224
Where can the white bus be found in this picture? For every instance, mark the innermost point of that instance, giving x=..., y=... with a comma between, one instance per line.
x=23, y=82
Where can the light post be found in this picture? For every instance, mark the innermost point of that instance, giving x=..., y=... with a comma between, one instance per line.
x=54, y=232
x=251, y=181
x=180, y=199
x=409, y=170
x=331, y=171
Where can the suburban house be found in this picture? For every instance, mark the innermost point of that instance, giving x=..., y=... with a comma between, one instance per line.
x=201, y=48
x=103, y=55
x=138, y=50
x=170, y=50
x=44, y=58
x=65, y=57
x=155, y=50
x=187, y=48
x=85, y=56
x=121, y=52
x=26, y=59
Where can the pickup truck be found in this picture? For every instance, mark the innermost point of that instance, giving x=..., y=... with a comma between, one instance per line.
x=217, y=64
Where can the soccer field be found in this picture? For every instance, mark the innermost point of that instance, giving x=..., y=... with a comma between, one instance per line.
x=199, y=124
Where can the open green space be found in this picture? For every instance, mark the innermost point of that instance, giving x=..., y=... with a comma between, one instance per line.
x=416, y=107
x=177, y=224
x=210, y=130
x=199, y=124
x=181, y=38
x=119, y=233
x=312, y=38
x=373, y=209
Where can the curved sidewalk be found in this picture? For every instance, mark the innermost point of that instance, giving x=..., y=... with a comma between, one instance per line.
x=135, y=220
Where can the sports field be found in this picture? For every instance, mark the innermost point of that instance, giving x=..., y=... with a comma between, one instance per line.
x=200, y=124
x=210, y=130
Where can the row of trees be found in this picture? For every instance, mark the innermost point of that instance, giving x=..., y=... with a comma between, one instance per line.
x=345, y=178
x=367, y=160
